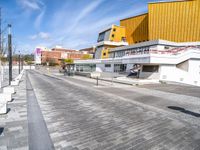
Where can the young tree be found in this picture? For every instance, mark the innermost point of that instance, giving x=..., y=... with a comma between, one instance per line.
x=87, y=56
x=69, y=61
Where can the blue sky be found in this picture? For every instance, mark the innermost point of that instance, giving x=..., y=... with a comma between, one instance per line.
x=71, y=23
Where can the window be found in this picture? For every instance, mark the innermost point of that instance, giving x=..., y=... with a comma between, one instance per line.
x=150, y=68
x=107, y=65
x=166, y=47
x=120, y=67
x=113, y=35
x=114, y=29
x=104, y=54
x=101, y=37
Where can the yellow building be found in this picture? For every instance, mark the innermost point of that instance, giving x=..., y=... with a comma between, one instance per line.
x=176, y=21
x=136, y=28
x=108, y=38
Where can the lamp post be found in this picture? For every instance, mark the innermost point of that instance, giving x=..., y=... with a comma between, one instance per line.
x=10, y=53
x=19, y=61
x=22, y=62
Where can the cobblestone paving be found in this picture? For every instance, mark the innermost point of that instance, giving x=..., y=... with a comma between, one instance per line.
x=175, y=88
x=13, y=125
x=87, y=118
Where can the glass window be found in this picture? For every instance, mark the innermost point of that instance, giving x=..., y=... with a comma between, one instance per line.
x=150, y=68
x=107, y=65
x=101, y=37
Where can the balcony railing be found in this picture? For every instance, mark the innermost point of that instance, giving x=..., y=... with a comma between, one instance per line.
x=174, y=51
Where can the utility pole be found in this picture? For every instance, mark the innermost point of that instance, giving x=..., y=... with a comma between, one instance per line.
x=0, y=34
x=0, y=52
x=19, y=61
x=10, y=53
x=22, y=62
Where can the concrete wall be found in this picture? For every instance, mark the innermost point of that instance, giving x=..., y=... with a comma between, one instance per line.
x=149, y=75
x=172, y=73
x=24, y=67
x=102, y=68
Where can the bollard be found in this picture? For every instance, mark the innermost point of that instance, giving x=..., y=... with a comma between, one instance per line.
x=97, y=81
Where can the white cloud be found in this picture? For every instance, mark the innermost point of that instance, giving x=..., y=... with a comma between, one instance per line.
x=81, y=26
x=34, y=6
x=29, y=4
x=87, y=10
x=39, y=18
x=40, y=35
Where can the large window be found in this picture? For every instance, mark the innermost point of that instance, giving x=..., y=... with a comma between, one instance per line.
x=101, y=37
x=107, y=65
x=120, y=67
x=150, y=68
x=86, y=67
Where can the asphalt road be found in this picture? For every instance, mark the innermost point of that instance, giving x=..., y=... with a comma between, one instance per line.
x=80, y=115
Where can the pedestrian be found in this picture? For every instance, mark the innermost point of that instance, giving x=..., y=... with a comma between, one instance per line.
x=65, y=70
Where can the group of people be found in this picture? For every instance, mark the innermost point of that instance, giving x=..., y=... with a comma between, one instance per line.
x=135, y=71
x=67, y=69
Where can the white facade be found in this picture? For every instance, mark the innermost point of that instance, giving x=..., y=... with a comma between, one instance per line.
x=163, y=60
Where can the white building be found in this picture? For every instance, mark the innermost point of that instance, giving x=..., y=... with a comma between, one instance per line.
x=159, y=59
x=38, y=54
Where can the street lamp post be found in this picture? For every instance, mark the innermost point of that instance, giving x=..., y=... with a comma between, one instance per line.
x=19, y=61
x=22, y=62
x=10, y=53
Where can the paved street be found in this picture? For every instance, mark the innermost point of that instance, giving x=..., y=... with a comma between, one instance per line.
x=14, y=125
x=80, y=115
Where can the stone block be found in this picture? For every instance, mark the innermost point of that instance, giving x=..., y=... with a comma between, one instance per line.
x=6, y=96
x=15, y=83
x=9, y=90
x=3, y=106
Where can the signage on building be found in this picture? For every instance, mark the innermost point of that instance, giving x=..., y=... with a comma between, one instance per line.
x=38, y=55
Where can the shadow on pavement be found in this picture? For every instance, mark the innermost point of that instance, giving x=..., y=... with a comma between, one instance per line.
x=8, y=110
x=184, y=111
x=1, y=130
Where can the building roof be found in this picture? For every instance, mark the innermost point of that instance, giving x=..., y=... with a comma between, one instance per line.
x=86, y=49
x=134, y=16
x=164, y=1
x=168, y=1
x=156, y=42
x=109, y=27
x=111, y=43
x=63, y=50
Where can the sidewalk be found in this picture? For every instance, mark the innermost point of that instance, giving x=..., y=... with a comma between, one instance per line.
x=14, y=125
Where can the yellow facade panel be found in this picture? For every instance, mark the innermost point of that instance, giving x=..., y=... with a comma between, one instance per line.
x=136, y=28
x=117, y=33
x=106, y=50
x=174, y=21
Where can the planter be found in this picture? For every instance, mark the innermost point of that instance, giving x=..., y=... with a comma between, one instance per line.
x=6, y=97
x=10, y=90
x=3, y=106
x=15, y=83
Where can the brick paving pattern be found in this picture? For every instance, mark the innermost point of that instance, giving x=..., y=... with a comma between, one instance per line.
x=88, y=117
x=13, y=125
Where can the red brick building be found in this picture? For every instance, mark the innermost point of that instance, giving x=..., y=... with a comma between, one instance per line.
x=50, y=56
x=58, y=54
